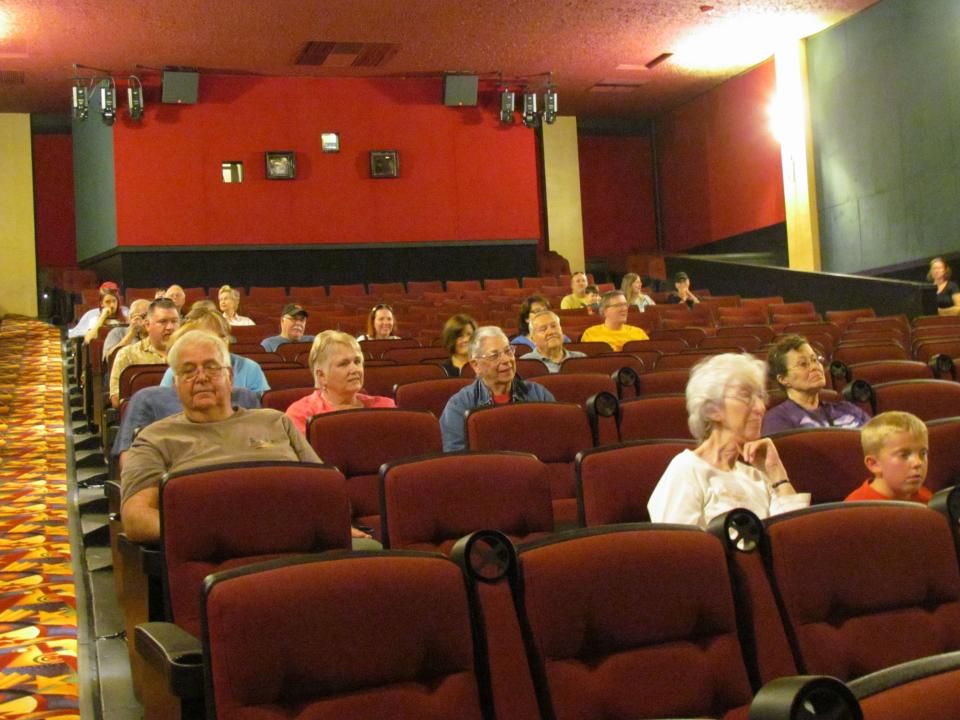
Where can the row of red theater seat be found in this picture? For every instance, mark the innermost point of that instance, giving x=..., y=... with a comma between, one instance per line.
x=627, y=621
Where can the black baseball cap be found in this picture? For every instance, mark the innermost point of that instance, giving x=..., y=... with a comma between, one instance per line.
x=680, y=277
x=294, y=310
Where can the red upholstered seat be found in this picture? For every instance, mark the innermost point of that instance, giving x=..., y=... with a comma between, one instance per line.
x=554, y=432
x=825, y=462
x=944, y=465
x=364, y=636
x=762, y=332
x=429, y=395
x=927, y=399
x=684, y=360
x=614, y=483
x=654, y=417
x=692, y=336
x=865, y=586
x=926, y=349
x=664, y=381
x=135, y=377
x=430, y=503
x=358, y=442
x=374, y=349
x=288, y=377
x=282, y=399
x=576, y=387
x=380, y=380
x=869, y=351
x=405, y=355
x=529, y=368
x=607, y=364
x=881, y=371
x=228, y=515
x=289, y=351
x=634, y=622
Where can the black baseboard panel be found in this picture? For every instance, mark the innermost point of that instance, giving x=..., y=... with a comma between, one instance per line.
x=828, y=291
x=306, y=265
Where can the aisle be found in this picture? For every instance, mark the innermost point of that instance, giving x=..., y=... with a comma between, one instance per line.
x=38, y=623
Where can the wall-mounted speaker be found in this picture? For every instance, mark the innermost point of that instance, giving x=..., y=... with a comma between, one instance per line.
x=460, y=90
x=180, y=87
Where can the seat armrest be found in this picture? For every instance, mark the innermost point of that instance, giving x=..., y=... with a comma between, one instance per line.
x=903, y=674
x=175, y=654
x=790, y=698
x=151, y=560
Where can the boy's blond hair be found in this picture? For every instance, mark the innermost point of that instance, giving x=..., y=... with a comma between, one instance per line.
x=873, y=435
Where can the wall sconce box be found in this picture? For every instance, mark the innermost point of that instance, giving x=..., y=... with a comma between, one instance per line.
x=384, y=163
x=281, y=165
x=330, y=142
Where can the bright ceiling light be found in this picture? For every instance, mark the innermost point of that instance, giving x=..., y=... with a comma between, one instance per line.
x=742, y=39
x=6, y=25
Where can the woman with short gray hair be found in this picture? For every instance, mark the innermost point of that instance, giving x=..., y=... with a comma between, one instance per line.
x=733, y=467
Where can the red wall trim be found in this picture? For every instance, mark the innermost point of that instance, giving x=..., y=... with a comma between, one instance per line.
x=720, y=172
x=56, y=229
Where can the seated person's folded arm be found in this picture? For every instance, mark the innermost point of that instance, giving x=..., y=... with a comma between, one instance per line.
x=143, y=469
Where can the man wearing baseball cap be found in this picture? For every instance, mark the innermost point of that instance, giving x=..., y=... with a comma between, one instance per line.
x=293, y=323
x=683, y=293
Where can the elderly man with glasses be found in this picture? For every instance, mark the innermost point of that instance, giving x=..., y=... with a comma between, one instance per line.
x=614, y=331
x=209, y=431
x=799, y=372
x=293, y=325
x=493, y=360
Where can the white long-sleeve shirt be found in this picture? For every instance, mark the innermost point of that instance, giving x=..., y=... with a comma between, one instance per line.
x=693, y=492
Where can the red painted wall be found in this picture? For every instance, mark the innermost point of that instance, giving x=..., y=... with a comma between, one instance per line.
x=616, y=195
x=463, y=175
x=720, y=172
x=56, y=229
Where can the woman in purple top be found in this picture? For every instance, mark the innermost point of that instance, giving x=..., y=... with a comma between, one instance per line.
x=799, y=371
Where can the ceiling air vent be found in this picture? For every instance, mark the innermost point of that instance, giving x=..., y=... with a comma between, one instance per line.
x=346, y=54
x=13, y=77
x=616, y=86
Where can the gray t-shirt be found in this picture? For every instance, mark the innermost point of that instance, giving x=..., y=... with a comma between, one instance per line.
x=176, y=443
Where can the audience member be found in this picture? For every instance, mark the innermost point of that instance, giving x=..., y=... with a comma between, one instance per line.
x=592, y=294
x=179, y=297
x=205, y=305
x=89, y=324
x=614, y=331
x=381, y=324
x=149, y=404
x=733, y=466
x=208, y=431
x=799, y=372
x=229, y=299
x=493, y=359
x=528, y=308
x=682, y=292
x=247, y=373
x=548, y=337
x=948, y=293
x=162, y=320
x=577, y=298
x=336, y=362
x=895, y=448
x=123, y=335
x=293, y=325
x=632, y=287
x=455, y=337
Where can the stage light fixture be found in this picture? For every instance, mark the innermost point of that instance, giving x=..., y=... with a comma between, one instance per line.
x=135, y=97
x=81, y=105
x=530, y=117
x=507, y=106
x=550, y=105
x=108, y=101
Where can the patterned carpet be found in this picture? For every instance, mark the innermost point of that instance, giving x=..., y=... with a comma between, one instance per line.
x=38, y=623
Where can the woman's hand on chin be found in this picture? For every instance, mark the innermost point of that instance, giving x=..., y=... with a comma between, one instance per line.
x=762, y=454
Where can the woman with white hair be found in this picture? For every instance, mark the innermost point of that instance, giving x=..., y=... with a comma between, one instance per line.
x=336, y=362
x=229, y=305
x=733, y=467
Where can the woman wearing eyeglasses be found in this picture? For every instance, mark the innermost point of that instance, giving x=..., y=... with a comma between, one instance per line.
x=733, y=467
x=381, y=324
x=799, y=372
x=336, y=362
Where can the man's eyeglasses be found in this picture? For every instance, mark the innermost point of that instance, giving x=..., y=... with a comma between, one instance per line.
x=191, y=372
x=497, y=355
x=805, y=363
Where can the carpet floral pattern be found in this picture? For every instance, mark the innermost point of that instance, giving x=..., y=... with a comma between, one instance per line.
x=38, y=623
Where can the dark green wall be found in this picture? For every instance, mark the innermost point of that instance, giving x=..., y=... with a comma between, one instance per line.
x=93, y=182
x=885, y=103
